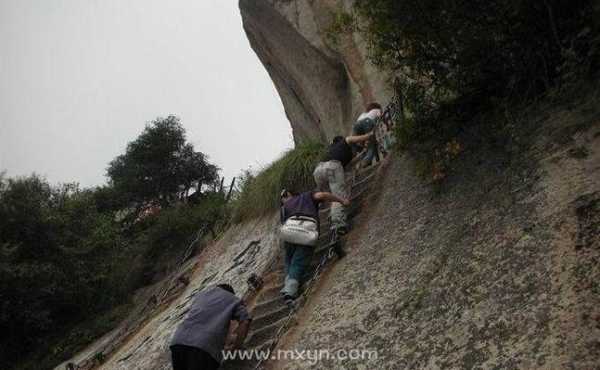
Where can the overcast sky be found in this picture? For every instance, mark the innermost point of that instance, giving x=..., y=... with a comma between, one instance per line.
x=79, y=79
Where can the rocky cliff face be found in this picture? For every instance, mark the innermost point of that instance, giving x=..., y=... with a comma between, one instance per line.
x=323, y=85
x=499, y=270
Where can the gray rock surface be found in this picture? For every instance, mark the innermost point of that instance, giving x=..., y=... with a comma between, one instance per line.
x=498, y=270
x=323, y=86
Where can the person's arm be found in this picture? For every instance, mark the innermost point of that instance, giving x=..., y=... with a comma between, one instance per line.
x=359, y=138
x=323, y=196
x=356, y=158
x=240, y=334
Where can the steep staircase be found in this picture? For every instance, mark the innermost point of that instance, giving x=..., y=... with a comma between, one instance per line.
x=272, y=317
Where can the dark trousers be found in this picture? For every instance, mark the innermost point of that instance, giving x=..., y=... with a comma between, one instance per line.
x=191, y=358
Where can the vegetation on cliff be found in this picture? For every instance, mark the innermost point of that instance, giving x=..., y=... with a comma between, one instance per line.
x=455, y=60
x=71, y=257
x=160, y=167
x=258, y=193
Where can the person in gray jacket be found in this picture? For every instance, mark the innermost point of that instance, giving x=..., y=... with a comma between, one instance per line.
x=200, y=339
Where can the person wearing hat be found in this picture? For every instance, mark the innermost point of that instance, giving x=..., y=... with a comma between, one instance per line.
x=297, y=256
x=199, y=341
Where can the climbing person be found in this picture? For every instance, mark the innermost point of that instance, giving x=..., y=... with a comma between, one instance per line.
x=299, y=234
x=364, y=124
x=329, y=175
x=387, y=137
x=200, y=339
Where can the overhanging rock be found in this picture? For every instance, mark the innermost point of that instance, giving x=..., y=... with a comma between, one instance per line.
x=323, y=86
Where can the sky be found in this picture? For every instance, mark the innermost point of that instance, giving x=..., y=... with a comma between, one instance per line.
x=79, y=79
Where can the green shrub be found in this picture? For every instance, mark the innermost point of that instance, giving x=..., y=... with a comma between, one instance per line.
x=259, y=194
x=455, y=60
x=488, y=48
x=159, y=166
x=174, y=228
x=64, y=261
x=58, y=257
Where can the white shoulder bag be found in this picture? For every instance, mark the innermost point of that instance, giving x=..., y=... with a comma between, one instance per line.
x=300, y=230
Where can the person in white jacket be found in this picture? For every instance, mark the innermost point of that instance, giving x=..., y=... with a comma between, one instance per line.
x=365, y=124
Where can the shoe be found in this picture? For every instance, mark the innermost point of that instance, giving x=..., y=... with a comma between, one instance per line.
x=341, y=231
x=339, y=250
x=288, y=299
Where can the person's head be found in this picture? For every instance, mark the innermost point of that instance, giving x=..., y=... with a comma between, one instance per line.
x=373, y=105
x=337, y=139
x=226, y=287
x=285, y=195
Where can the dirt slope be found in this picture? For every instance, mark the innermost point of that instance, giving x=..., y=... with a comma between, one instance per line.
x=498, y=270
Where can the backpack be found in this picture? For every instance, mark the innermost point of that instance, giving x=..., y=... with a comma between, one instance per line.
x=300, y=230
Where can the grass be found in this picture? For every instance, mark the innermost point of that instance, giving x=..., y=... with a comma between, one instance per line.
x=259, y=194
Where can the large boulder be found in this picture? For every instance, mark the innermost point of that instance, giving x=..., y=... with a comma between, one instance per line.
x=323, y=84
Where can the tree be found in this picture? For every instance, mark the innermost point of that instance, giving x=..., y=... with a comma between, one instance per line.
x=159, y=166
x=58, y=257
x=194, y=171
x=25, y=204
x=453, y=60
x=478, y=48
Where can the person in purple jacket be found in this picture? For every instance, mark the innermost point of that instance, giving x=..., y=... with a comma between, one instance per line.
x=297, y=257
x=199, y=341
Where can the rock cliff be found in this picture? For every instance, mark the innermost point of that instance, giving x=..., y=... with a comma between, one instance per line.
x=499, y=270
x=323, y=85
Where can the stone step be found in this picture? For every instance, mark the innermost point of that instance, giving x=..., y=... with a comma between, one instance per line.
x=319, y=252
x=272, y=312
x=271, y=317
x=274, y=275
x=316, y=260
x=264, y=334
x=271, y=293
x=359, y=192
x=268, y=306
x=365, y=172
x=310, y=271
